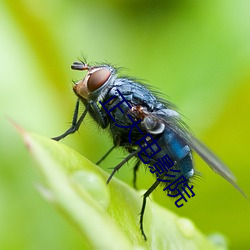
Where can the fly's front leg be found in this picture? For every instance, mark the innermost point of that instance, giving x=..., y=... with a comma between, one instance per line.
x=75, y=124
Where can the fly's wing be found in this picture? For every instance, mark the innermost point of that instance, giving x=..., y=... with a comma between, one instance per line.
x=174, y=123
x=212, y=160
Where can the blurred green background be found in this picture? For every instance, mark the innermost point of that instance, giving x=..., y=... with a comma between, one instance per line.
x=196, y=53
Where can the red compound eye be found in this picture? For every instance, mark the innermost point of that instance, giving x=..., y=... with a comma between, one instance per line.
x=97, y=79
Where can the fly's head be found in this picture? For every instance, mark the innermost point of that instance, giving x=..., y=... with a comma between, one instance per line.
x=95, y=80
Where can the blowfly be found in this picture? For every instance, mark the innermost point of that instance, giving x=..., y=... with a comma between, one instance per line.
x=148, y=127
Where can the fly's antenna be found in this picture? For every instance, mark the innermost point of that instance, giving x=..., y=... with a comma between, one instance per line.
x=80, y=66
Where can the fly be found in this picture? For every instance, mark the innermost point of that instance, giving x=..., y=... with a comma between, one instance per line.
x=141, y=122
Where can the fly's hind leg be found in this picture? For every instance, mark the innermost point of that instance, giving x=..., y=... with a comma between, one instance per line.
x=145, y=196
x=135, y=169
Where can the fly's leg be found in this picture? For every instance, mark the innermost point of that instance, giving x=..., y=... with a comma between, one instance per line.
x=122, y=163
x=105, y=155
x=75, y=124
x=145, y=196
x=136, y=167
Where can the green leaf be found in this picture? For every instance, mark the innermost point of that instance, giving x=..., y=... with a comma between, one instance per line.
x=107, y=216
